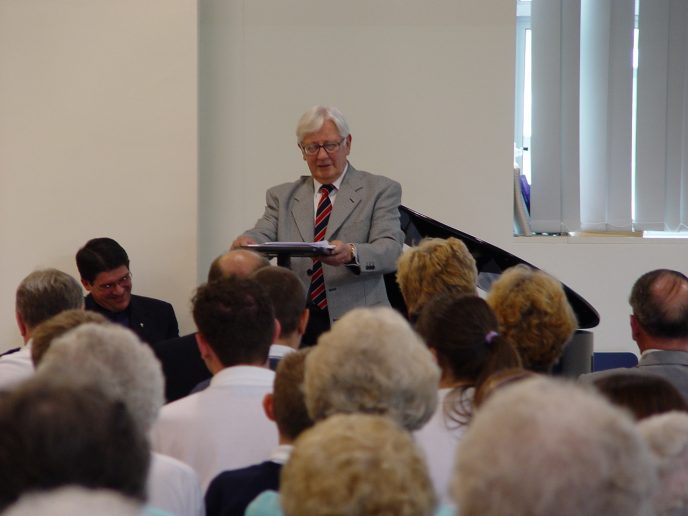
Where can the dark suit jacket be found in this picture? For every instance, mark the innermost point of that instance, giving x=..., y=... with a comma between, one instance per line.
x=231, y=491
x=182, y=365
x=151, y=319
x=365, y=212
x=671, y=365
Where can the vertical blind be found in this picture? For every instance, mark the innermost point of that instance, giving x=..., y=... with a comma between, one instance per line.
x=582, y=116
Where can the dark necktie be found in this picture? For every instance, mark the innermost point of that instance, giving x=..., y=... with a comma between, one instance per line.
x=322, y=216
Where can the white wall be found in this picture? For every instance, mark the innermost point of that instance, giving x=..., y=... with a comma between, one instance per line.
x=428, y=90
x=98, y=138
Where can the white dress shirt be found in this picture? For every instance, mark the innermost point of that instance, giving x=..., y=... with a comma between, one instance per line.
x=174, y=487
x=222, y=427
x=16, y=367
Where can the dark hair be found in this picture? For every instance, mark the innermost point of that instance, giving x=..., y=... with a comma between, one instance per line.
x=462, y=329
x=54, y=434
x=289, y=403
x=236, y=318
x=287, y=294
x=644, y=395
x=45, y=293
x=100, y=255
x=661, y=310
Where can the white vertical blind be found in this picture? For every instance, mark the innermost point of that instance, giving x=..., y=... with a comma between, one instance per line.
x=582, y=141
x=662, y=148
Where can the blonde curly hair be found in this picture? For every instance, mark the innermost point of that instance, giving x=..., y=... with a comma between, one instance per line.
x=534, y=315
x=435, y=266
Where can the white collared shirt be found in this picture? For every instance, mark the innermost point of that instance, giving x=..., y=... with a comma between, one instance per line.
x=16, y=367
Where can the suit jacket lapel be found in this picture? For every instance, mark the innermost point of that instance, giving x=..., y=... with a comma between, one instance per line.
x=302, y=209
x=348, y=197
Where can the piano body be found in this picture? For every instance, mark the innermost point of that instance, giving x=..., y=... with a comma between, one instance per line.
x=491, y=262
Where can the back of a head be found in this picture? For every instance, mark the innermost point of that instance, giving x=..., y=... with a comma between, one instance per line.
x=371, y=466
x=237, y=262
x=100, y=255
x=372, y=361
x=55, y=434
x=236, y=318
x=289, y=404
x=667, y=435
x=287, y=293
x=462, y=329
x=543, y=446
x=57, y=326
x=433, y=267
x=67, y=501
x=112, y=357
x=45, y=293
x=659, y=300
x=644, y=395
x=534, y=315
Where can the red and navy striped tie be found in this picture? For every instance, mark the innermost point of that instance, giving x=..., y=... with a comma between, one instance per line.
x=322, y=216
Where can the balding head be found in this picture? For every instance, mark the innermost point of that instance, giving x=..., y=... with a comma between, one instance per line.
x=659, y=300
x=238, y=262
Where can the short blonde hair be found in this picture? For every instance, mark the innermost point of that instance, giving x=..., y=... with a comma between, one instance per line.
x=543, y=446
x=57, y=326
x=372, y=361
x=435, y=266
x=356, y=464
x=534, y=315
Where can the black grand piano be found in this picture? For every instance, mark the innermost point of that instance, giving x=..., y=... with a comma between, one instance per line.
x=491, y=262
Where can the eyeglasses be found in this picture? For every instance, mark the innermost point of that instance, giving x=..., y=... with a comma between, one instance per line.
x=124, y=281
x=314, y=148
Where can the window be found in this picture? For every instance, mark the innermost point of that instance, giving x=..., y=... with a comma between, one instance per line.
x=603, y=127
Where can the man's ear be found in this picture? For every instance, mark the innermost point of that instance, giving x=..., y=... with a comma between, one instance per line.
x=269, y=406
x=23, y=329
x=87, y=284
x=278, y=331
x=635, y=327
x=303, y=321
x=203, y=347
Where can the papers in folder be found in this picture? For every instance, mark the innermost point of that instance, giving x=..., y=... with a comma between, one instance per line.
x=320, y=248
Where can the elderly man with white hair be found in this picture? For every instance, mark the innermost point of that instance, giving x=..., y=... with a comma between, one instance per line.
x=115, y=359
x=543, y=447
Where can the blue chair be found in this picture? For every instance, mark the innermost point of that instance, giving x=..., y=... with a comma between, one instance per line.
x=602, y=361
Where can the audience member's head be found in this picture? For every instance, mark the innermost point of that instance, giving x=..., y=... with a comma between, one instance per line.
x=644, y=395
x=356, y=464
x=659, y=300
x=500, y=379
x=667, y=435
x=543, y=446
x=104, y=268
x=235, y=321
x=237, y=262
x=54, y=434
x=114, y=358
x=461, y=329
x=372, y=361
x=43, y=294
x=287, y=403
x=67, y=501
x=57, y=326
x=534, y=315
x=435, y=266
x=288, y=297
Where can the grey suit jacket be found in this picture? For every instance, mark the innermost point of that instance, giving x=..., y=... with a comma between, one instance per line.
x=671, y=365
x=365, y=212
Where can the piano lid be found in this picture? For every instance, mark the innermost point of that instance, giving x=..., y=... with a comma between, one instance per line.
x=490, y=260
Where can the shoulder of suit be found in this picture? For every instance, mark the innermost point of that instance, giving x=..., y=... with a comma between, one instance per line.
x=369, y=178
x=149, y=301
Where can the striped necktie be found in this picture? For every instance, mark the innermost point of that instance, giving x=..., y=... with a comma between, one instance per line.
x=322, y=216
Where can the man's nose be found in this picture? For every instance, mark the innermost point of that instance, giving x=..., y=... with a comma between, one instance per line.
x=324, y=154
x=118, y=289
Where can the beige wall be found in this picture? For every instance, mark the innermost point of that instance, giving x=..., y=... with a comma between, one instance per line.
x=98, y=138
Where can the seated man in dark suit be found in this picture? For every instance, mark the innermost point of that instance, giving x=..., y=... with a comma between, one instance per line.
x=104, y=268
x=231, y=491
